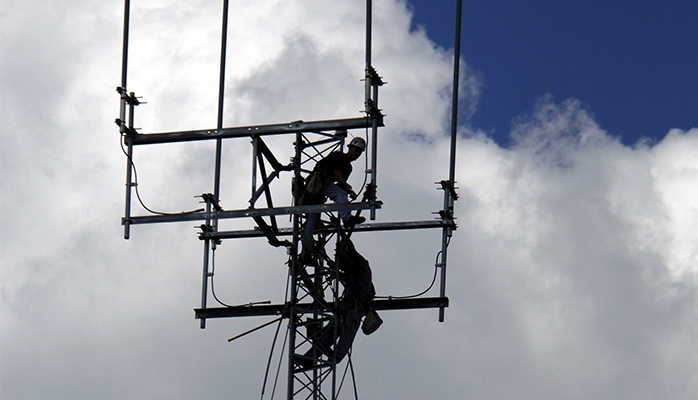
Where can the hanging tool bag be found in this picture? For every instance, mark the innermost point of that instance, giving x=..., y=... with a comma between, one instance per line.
x=313, y=193
x=372, y=322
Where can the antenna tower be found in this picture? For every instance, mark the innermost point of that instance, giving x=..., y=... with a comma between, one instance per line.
x=314, y=295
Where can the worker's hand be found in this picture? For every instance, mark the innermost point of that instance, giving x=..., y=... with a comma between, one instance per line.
x=353, y=194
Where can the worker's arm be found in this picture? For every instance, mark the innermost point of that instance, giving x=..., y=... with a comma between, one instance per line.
x=342, y=183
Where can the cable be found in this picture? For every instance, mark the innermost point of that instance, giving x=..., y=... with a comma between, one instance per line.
x=213, y=290
x=213, y=270
x=344, y=375
x=278, y=368
x=138, y=195
x=436, y=270
x=353, y=379
x=273, y=344
x=271, y=355
x=363, y=185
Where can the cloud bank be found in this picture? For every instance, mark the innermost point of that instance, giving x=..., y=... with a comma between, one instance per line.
x=572, y=274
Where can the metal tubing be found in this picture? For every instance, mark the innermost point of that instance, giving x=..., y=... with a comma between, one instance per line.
x=247, y=131
x=122, y=117
x=297, y=232
x=253, y=197
x=307, y=308
x=221, y=98
x=369, y=18
x=444, y=256
x=201, y=215
x=374, y=166
x=448, y=194
x=221, y=101
x=367, y=227
x=124, y=51
x=129, y=165
x=456, y=84
x=256, y=328
x=371, y=102
x=204, y=279
x=127, y=211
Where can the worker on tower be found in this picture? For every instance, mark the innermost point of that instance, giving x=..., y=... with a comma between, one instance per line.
x=355, y=302
x=332, y=173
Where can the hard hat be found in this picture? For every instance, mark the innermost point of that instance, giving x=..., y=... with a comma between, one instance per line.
x=358, y=142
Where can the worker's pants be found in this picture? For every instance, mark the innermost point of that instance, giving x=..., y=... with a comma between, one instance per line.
x=349, y=315
x=336, y=194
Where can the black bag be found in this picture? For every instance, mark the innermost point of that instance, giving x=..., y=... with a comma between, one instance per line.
x=312, y=193
x=314, y=182
x=372, y=322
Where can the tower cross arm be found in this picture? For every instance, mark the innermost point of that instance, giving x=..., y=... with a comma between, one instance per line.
x=258, y=130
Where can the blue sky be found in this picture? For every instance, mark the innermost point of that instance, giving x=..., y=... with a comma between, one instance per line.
x=631, y=63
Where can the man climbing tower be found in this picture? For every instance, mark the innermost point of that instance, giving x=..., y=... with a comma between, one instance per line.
x=333, y=172
x=355, y=302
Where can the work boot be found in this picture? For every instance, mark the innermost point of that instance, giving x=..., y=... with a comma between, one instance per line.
x=306, y=258
x=352, y=220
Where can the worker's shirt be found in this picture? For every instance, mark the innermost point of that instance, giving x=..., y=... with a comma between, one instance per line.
x=336, y=161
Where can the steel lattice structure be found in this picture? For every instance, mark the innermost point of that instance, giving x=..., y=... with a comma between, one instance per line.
x=315, y=289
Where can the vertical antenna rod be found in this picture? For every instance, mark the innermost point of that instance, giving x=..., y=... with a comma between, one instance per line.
x=449, y=192
x=221, y=100
x=371, y=103
x=456, y=83
x=124, y=53
x=369, y=7
x=217, y=172
x=122, y=119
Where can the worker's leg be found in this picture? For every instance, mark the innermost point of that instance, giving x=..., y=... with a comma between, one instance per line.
x=361, y=285
x=310, y=224
x=351, y=320
x=339, y=196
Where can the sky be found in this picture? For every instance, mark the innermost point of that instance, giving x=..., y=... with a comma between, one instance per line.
x=573, y=272
x=629, y=62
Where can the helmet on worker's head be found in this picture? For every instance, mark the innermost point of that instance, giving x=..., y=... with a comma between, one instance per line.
x=358, y=142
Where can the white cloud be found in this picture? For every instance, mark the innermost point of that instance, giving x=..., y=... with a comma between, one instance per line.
x=572, y=273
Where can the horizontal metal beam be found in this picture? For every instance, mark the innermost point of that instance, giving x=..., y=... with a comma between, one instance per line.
x=247, y=213
x=258, y=130
x=241, y=311
x=367, y=227
x=278, y=309
x=408, y=304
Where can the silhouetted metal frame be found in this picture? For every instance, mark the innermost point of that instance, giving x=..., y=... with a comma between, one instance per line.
x=213, y=213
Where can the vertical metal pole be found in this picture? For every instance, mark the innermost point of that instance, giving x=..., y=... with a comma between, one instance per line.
x=445, y=238
x=255, y=144
x=448, y=195
x=129, y=165
x=374, y=156
x=122, y=117
x=221, y=98
x=369, y=13
x=369, y=103
x=294, y=266
x=217, y=173
x=456, y=84
x=124, y=51
x=204, y=279
x=127, y=211
x=367, y=78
